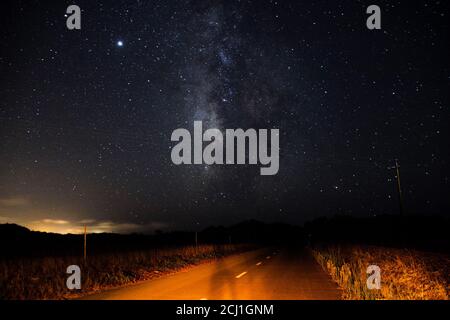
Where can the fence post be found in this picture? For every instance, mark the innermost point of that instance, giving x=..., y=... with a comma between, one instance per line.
x=84, y=243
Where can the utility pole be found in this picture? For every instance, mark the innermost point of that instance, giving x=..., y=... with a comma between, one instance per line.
x=400, y=195
x=85, y=243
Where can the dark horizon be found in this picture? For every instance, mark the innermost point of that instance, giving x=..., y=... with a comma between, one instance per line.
x=396, y=224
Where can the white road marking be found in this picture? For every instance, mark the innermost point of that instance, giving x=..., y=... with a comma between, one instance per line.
x=241, y=275
x=259, y=263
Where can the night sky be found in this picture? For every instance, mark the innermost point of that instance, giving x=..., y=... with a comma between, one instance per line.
x=86, y=116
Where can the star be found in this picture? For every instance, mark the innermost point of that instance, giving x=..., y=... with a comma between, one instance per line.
x=120, y=43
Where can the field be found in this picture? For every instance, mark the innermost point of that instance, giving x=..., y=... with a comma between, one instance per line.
x=45, y=277
x=405, y=274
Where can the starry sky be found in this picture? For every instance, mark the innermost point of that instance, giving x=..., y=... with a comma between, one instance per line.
x=86, y=115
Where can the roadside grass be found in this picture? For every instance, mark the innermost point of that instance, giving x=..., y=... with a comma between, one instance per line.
x=45, y=278
x=405, y=274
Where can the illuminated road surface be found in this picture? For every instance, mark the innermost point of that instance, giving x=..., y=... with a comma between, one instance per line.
x=261, y=274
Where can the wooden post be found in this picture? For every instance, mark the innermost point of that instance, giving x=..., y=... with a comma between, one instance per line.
x=399, y=187
x=400, y=195
x=84, y=243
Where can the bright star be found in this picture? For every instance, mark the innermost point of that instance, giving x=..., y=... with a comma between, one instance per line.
x=120, y=43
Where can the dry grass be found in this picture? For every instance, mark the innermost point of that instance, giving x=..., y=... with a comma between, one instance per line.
x=405, y=274
x=45, y=278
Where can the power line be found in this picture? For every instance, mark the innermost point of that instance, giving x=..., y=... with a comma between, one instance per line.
x=399, y=187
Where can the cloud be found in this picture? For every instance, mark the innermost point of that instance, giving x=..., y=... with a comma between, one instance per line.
x=5, y=219
x=108, y=226
x=93, y=226
x=13, y=202
x=38, y=220
x=52, y=221
x=88, y=221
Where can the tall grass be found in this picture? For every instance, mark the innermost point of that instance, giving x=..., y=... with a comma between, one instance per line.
x=405, y=274
x=45, y=278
